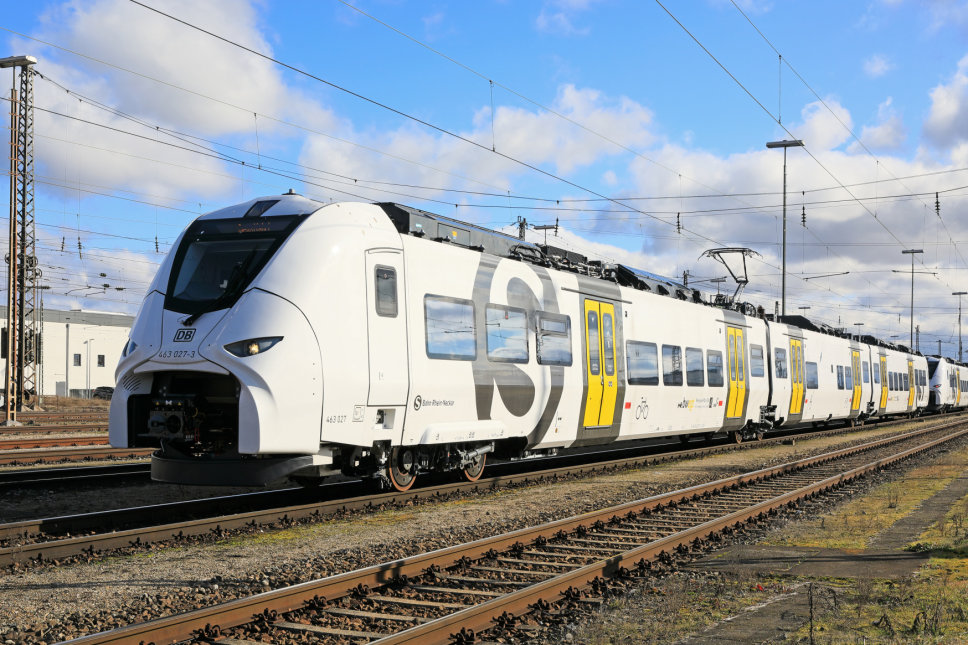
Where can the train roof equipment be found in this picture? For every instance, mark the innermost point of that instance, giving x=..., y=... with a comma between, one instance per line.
x=419, y=223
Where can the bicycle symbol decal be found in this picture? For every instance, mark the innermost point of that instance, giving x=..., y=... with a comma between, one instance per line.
x=642, y=409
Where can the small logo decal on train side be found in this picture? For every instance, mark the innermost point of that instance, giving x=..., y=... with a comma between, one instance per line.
x=184, y=335
x=417, y=402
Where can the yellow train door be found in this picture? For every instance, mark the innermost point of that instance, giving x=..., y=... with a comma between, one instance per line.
x=855, y=368
x=910, y=384
x=736, y=400
x=600, y=363
x=796, y=376
x=883, y=382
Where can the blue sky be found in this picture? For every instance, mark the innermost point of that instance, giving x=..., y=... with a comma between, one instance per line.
x=582, y=99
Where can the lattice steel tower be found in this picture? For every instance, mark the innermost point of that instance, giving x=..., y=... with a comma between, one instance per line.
x=23, y=334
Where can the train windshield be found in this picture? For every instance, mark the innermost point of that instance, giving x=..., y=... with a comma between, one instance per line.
x=218, y=259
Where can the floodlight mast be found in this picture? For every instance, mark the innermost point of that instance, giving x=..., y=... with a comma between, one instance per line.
x=786, y=143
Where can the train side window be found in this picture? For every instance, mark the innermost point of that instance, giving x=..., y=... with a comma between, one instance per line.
x=553, y=338
x=714, y=368
x=867, y=372
x=813, y=378
x=592, y=335
x=877, y=374
x=756, y=360
x=450, y=328
x=507, y=334
x=907, y=383
x=386, y=290
x=781, y=363
x=609, y=345
x=643, y=363
x=694, y=367
x=848, y=378
x=840, y=377
x=671, y=365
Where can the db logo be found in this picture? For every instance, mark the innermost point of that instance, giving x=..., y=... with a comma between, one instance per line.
x=184, y=335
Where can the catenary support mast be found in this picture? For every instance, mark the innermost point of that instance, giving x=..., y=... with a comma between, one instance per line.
x=22, y=333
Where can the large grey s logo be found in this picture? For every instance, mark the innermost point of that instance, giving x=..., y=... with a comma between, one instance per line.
x=184, y=335
x=515, y=387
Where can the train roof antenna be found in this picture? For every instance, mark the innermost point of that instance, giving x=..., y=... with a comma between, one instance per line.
x=740, y=274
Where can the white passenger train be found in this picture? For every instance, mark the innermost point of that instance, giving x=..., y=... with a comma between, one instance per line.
x=283, y=337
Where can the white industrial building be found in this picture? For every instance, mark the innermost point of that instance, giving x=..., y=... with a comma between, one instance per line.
x=78, y=350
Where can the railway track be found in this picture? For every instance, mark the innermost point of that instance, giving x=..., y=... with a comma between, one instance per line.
x=73, y=476
x=92, y=453
x=27, y=418
x=60, y=539
x=505, y=584
x=48, y=429
x=27, y=443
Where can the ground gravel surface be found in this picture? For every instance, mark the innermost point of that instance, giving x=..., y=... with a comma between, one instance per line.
x=49, y=605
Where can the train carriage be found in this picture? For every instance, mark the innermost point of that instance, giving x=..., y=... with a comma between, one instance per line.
x=948, y=384
x=817, y=362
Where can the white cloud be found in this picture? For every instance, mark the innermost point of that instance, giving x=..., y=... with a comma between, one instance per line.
x=823, y=129
x=947, y=121
x=534, y=137
x=887, y=134
x=167, y=56
x=877, y=66
x=557, y=17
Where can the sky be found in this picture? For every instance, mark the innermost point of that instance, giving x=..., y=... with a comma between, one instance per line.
x=638, y=126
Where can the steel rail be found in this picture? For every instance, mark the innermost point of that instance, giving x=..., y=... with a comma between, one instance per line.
x=91, y=426
x=241, y=611
x=118, y=539
x=36, y=417
x=27, y=443
x=89, y=475
x=72, y=454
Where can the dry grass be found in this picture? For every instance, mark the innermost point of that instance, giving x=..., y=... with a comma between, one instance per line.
x=931, y=607
x=679, y=607
x=851, y=525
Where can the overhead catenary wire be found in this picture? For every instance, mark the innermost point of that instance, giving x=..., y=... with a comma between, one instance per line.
x=846, y=127
x=777, y=121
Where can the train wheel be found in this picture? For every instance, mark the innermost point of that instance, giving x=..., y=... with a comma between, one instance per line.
x=759, y=435
x=401, y=469
x=737, y=436
x=474, y=471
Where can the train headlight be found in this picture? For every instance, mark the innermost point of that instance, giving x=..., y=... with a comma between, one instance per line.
x=252, y=346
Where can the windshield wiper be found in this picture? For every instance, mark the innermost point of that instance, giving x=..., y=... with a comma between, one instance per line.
x=238, y=278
